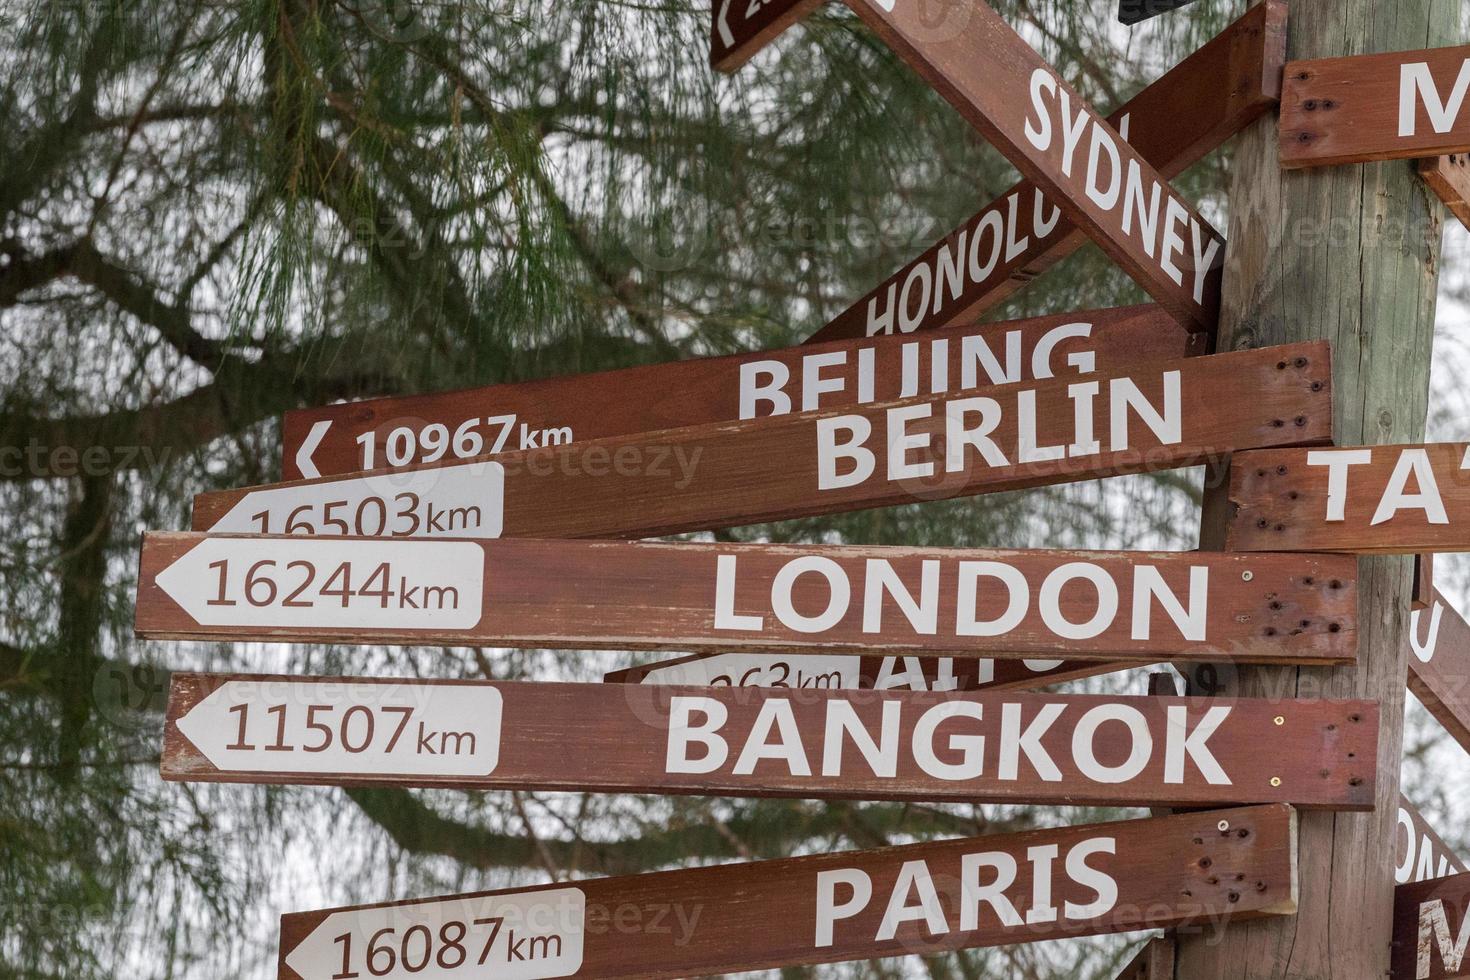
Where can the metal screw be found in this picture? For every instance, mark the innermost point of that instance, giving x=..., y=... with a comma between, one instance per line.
x=1224, y=825
x=1247, y=576
x=1279, y=720
x=1275, y=780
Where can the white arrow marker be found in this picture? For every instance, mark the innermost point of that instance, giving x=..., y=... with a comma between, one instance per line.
x=465, y=500
x=313, y=439
x=329, y=583
x=528, y=936
x=722, y=22
x=354, y=727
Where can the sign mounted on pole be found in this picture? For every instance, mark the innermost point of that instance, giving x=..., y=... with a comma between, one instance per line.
x=1155, y=961
x=1439, y=666
x=1373, y=499
x=850, y=745
x=1174, y=123
x=1449, y=178
x=1031, y=114
x=1422, y=853
x=394, y=433
x=933, y=447
x=1430, y=929
x=1398, y=106
x=1138, y=11
x=797, y=599
x=827, y=908
x=853, y=672
x=740, y=28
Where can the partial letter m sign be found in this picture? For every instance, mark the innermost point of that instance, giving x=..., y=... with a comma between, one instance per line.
x=1417, y=85
x=1434, y=932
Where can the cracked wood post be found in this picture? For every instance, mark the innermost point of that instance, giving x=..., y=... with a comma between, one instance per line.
x=1348, y=254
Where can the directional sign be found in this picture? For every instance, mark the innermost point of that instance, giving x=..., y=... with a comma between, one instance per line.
x=910, y=900
x=1403, y=105
x=798, y=599
x=1422, y=854
x=743, y=27
x=1031, y=114
x=1168, y=414
x=1439, y=666
x=1449, y=178
x=393, y=433
x=854, y=672
x=1137, y=11
x=1174, y=123
x=1386, y=499
x=861, y=745
x=1155, y=961
x=1431, y=930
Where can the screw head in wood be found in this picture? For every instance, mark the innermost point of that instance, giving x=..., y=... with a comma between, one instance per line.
x=1247, y=576
x=1275, y=780
x=1224, y=825
x=1279, y=720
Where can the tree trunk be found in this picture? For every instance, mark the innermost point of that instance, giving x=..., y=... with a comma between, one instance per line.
x=1349, y=254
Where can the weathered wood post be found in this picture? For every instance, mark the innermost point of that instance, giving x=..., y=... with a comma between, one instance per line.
x=1349, y=254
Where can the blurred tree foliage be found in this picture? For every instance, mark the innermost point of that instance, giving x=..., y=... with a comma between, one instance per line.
x=211, y=212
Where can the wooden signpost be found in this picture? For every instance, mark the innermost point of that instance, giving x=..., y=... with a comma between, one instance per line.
x=1422, y=853
x=813, y=744
x=394, y=433
x=814, y=599
x=1404, y=105
x=1439, y=666
x=1431, y=930
x=1174, y=123
x=740, y=28
x=853, y=672
x=1155, y=961
x=915, y=899
x=1047, y=130
x=1383, y=499
x=1168, y=414
x=1449, y=178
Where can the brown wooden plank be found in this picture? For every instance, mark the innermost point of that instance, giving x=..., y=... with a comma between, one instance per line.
x=1136, y=11
x=1421, y=853
x=814, y=598
x=1449, y=178
x=858, y=672
x=932, y=447
x=1397, y=106
x=1063, y=749
x=740, y=28
x=1174, y=123
x=390, y=433
x=1008, y=92
x=1155, y=961
x=1372, y=499
x=1430, y=929
x=1075, y=881
x=1423, y=581
x=1439, y=666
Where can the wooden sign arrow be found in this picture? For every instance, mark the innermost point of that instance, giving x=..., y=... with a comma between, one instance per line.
x=814, y=599
x=1021, y=105
x=815, y=744
x=913, y=899
x=1431, y=930
x=393, y=433
x=1403, y=105
x=1138, y=11
x=1422, y=853
x=740, y=28
x=1449, y=178
x=853, y=672
x=932, y=447
x=1439, y=666
x=1383, y=499
x=1206, y=99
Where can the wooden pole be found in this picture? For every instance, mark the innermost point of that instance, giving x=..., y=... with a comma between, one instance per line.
x=1348, y=254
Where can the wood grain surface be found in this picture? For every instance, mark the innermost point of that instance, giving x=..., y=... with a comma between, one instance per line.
x=1428, y=924
x=1439, y=666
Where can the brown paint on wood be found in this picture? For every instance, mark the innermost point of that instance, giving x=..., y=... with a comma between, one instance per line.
x=1189, y=868
x=1284, y=500
x=1347, y=110
x=1421, y=853
x=862, y=672
x=734, y=473
x=788, y=598
x=1449, y=178
x=706, y=390
x=999, y=84
x=1423, y=581
x=740, y=28
x=589, y=738
x=1428, y=920
x=1439, y=666
x=1174, y=123
x=1155, y=961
